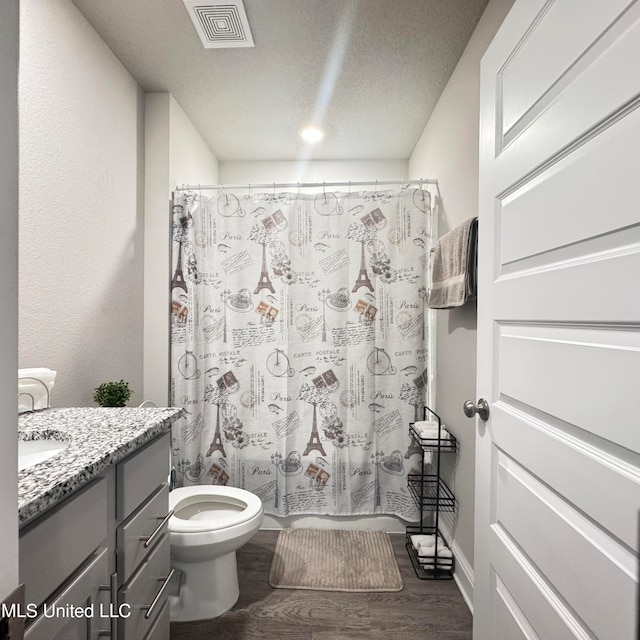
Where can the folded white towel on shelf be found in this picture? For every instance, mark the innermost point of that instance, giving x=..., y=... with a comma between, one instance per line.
x=428, y=457
x=424, y=424
x=433, y=433
x=428, y=553
x=422, y=540
x=425, y=544
x=430, y=542
x=430, y=429
x=428, y=566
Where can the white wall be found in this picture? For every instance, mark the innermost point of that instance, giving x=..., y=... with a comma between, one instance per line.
x=175, y=154
x=81, y=205
x=448, y=150
x=242, y=172
x=9, y=306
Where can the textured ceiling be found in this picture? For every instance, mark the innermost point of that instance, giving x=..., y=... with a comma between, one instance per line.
x=369, y=71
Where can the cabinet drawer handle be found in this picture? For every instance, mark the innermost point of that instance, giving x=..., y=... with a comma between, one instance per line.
x=156, y=532
x=159, y=595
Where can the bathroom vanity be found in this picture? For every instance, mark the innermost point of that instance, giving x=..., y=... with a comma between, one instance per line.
x=94, y=552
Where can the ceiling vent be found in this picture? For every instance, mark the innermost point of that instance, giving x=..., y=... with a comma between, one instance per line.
x=220, y=25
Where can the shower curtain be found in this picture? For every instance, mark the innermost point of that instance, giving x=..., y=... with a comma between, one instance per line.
x=300, y=345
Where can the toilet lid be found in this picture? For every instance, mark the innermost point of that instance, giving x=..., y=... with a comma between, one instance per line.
x=208, y=508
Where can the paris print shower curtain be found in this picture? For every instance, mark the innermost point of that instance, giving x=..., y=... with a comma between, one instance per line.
x=300, y=345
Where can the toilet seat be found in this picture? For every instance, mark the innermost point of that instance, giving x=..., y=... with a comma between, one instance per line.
x=233, y=507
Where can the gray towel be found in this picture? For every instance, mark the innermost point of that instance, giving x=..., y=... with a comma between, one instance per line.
x=454, y=265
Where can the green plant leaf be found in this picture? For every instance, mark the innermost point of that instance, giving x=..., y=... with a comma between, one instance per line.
x=112, y=394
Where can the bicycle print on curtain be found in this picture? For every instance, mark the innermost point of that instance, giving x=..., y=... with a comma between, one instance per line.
x=300, y=346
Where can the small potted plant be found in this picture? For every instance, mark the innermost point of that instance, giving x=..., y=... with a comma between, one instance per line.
x=112, y=394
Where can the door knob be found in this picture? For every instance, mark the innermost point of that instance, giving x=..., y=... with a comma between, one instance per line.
x=482, y=409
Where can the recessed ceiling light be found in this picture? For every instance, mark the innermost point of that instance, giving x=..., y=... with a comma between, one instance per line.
x=311, y=133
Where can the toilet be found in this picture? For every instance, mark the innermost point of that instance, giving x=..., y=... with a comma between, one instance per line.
x=209, y=524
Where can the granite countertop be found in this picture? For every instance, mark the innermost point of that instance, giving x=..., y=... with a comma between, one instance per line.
x=98, y=438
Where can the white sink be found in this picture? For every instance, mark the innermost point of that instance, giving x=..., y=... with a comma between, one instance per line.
x=31, y=452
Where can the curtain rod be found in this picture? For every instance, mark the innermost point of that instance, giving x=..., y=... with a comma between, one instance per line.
x=301, y=185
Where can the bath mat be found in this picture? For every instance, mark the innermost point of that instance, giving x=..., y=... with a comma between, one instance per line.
x=334, y=560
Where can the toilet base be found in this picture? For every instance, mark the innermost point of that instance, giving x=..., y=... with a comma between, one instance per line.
x=208, y=588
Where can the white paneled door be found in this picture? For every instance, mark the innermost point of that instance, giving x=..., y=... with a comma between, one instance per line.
x=558, y=460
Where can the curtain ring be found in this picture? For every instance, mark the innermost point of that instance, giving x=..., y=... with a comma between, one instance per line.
x=349, y=187
x=274, y=188
x=324, y=193
x=249, y=190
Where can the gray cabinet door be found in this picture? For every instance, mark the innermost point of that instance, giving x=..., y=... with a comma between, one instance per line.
x=76, y=612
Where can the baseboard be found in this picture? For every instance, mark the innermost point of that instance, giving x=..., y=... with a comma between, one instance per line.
x=463, y=575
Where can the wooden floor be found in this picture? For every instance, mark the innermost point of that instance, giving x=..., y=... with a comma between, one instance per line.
x=424, y=610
